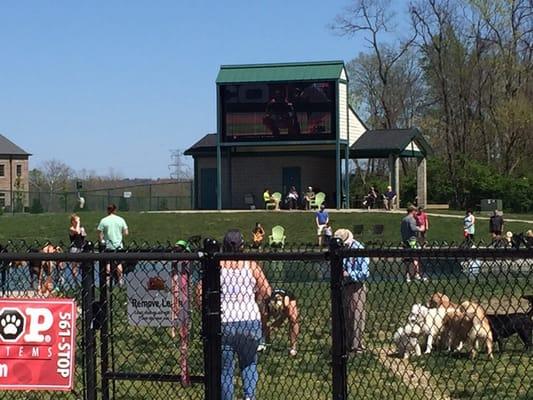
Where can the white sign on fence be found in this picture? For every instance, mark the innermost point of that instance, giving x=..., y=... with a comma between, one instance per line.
x=126, y=195
x=149, y=298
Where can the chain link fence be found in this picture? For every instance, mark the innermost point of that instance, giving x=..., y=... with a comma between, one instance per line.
x=147, y=197
x=158, y=321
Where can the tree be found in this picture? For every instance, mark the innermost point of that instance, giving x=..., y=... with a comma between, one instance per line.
x=53, y=176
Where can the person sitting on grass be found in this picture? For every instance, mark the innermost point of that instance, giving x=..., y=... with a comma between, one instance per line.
x=258, y=235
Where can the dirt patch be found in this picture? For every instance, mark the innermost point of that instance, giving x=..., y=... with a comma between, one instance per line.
x=415, y=378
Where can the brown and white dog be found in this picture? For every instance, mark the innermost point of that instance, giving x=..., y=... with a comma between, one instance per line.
x=468, y=324
x=439, y=299
x=44, y=270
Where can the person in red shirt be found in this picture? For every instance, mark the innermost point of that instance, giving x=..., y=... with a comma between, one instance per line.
x=422, y=221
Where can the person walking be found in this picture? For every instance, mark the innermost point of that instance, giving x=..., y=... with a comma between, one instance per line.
x=496, y=224
x=469, y=226
x=422, y=221
x=321, y=220
x=356, y=272
x=243, y=285
x=409, y=231
x=111, y=231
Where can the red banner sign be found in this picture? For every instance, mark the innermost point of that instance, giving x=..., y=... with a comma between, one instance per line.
x=37, y=344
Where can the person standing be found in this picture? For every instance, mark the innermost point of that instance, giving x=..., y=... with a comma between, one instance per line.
x=77, y=235
x=409, y=231
x=422, y=221
x=469, y=226
x=111, y=231
x=356, y=272
x=243, y=284
x=496, y=224
x=321, y=219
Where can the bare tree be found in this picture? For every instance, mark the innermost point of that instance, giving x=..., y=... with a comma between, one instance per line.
x=52, y=175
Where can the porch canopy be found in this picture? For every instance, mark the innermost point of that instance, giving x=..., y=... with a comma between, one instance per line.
x=394, y=144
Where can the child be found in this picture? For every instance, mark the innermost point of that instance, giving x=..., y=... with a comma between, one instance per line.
x=327, y=232
x=258, y=234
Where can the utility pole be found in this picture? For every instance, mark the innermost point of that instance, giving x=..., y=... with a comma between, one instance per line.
x=179, y=169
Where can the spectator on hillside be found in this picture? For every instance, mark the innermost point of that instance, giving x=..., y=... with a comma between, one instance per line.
x=327, y=232
x=409, y=231
x=356, y=272
x=267, y=197
x=496, y=224
x=258, y=235
x=309, y=197
x=422, y=221
x=389, y=198
x=111, y=231
x=469, y=226
x=77, y=236
x=292, y=198
x=321, y=219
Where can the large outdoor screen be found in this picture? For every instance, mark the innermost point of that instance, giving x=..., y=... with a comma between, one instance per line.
x=288, y=111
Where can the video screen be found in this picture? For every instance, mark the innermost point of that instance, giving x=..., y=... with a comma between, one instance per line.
x=290, y=111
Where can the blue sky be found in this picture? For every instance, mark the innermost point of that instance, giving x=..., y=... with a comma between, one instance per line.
x=117, y=84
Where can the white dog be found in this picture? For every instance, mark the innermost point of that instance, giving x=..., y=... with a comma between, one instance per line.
x=431, y=321
x=406, y=340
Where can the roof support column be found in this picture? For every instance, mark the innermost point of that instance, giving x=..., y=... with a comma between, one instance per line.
x=347, y=176
x=338, y=185
x=394, y=177
x=219, y=176
x=421, y=182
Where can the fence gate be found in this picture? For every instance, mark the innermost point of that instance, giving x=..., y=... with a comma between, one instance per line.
x=150, y=330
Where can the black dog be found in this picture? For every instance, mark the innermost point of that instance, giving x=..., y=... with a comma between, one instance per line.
x=505, y=325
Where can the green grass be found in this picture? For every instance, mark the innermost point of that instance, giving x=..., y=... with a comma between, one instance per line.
x=308, y=376
x=300, y=226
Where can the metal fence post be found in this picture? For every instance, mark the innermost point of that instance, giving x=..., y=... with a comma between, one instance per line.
x=338, y=351
x=211, y=321
x=104, y=327
x=89, y=337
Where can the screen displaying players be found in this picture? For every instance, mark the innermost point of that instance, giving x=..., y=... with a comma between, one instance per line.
x=289, y=111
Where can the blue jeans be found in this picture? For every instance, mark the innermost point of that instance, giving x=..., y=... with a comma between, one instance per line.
x=242, y=338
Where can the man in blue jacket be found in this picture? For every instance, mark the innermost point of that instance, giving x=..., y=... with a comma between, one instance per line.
x=354, y=292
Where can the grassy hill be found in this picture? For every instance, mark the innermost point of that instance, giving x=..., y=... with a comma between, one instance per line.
x=300, y=226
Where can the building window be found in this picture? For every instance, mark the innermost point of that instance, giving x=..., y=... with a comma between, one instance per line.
x=2, y=199
x=2, y=170
x=19, y=170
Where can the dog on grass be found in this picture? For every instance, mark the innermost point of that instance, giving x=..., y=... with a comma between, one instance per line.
x=406, y=339
x=439, y=299
x=431, y=322
x=44, y=270
x=506, y=325
x=468, y=324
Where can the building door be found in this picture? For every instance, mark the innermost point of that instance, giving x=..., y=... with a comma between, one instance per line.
x=208, y=184
x=291, y=177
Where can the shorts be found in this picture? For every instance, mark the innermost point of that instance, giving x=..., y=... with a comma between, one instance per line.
x=320, y=230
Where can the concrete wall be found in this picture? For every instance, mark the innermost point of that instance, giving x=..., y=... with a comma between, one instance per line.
x=15, y=183
x=254, y=174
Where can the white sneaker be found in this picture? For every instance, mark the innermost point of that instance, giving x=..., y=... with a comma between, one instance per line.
x=407, y=278
x=261, y=347
x=293, y=352
x=417, y=277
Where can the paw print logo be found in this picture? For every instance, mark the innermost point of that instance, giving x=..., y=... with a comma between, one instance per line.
x=12, y=323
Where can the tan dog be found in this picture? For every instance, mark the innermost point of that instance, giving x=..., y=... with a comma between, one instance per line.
x=468, y=324
x=439, y=299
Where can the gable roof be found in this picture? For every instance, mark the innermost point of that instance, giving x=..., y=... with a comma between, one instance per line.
x=206, y=144
x=382, y=142
x=7, y=147
x=301, y=71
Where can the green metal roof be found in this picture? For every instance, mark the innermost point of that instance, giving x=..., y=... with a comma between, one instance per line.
x=322, y=70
